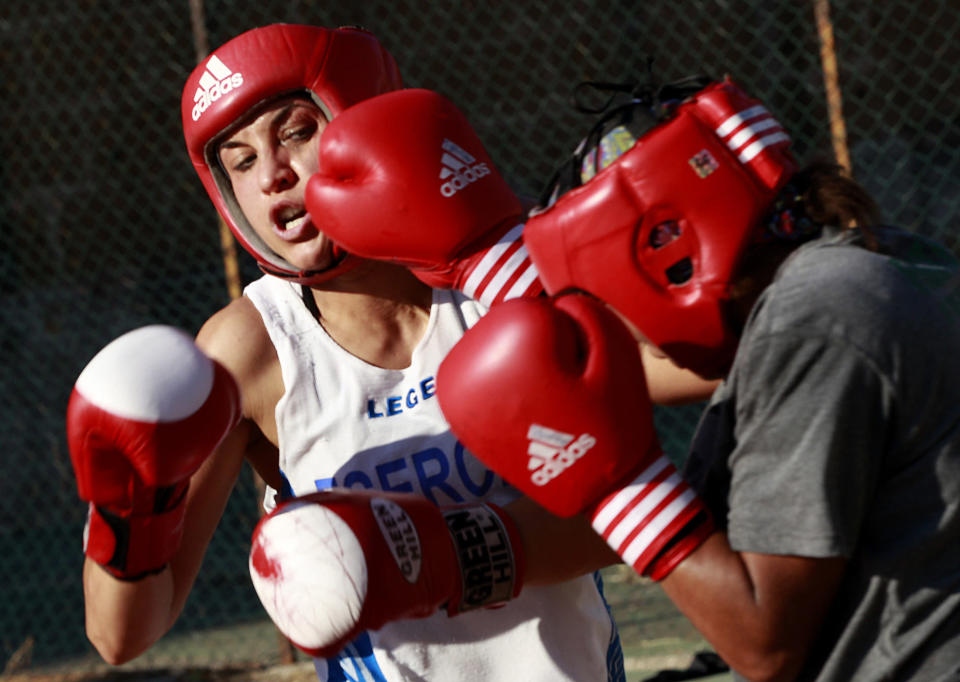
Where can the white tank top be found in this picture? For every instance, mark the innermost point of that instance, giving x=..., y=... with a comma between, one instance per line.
x=343, y=422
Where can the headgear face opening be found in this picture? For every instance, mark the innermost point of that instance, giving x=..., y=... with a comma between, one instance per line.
x=335, y=68
x=659, y=232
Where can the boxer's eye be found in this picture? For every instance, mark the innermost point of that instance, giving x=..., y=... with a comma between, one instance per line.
x=298, y=133
x=661, y=235
x=664, y=233
x=243, y=163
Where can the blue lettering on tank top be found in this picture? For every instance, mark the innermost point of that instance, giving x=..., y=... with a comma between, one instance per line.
x=428, y=472
x=392, y=405
x=357, y=479
x=356, y=663
x=433, y=470
x=427, y=388
x=385, y=469
x=478, y=490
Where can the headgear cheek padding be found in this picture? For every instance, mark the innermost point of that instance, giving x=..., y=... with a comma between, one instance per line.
x=658, y=233
x=336, y=68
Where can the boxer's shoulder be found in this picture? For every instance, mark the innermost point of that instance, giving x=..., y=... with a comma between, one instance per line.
x=236, y=337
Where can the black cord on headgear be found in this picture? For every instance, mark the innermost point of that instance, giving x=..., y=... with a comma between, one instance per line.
x=649, y=103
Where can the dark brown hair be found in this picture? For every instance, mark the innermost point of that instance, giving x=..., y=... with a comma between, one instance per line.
x=832, y=197
x=828, y=196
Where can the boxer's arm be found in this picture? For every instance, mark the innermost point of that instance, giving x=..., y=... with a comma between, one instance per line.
x=763, y=611
x=667, y=383
x=430, y=199
x=671, y=385
x=558, y=549
x=573, y=428
x=125, y=618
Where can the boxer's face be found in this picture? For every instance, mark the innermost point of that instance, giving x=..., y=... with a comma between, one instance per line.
x=269, y=161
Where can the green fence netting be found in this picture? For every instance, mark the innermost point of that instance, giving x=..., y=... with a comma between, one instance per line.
x=104, y=226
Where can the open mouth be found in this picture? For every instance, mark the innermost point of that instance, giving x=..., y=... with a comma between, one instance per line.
x=289, y=217
x=290, y=221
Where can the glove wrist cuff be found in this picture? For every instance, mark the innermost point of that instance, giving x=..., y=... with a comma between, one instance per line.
x=682, y=545
x=489, y=554
x=132, y=546
x=501, y=271
x=641, y=520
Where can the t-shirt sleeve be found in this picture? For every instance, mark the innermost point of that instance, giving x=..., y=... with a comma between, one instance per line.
x=811, y=421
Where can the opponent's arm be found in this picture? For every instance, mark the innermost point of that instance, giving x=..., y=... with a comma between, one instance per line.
x=572, y=425
x=557, y=549
x=671, y=385
x=441, y=209
x=404, y=178
x=761, y=612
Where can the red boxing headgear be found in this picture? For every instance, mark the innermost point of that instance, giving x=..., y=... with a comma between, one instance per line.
x=336, y=68
x=658, y=233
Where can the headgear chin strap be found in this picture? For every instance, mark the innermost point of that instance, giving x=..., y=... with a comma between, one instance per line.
x=336, y=68
x=658, y=233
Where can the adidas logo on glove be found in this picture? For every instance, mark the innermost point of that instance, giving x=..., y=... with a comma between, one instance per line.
x=551, y=452
x=216, y=80
x=460, y=167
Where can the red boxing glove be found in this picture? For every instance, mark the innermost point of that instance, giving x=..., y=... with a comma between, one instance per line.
x=144, y=414
x=404, y=178
x=329, y=565
x=571, y=424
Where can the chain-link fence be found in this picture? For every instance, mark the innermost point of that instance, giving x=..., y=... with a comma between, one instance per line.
x=104, y=227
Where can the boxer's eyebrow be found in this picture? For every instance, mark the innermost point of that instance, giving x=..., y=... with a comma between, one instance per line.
x=279, y=116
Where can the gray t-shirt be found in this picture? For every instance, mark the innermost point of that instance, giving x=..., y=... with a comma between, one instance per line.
x=837, y=433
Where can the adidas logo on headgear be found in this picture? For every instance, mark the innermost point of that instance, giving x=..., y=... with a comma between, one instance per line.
x=551, y=452
x=460, y=167
x=216, y=80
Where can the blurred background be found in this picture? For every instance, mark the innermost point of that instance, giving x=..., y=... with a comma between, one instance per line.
x=104, y=226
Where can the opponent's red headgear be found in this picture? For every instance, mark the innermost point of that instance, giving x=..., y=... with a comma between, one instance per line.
x=336, y=68
x=658, y=233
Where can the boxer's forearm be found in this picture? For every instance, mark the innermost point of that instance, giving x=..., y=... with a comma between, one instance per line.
x=124, y=618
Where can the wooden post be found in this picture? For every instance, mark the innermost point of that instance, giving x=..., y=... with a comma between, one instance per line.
x=228, y=244
x=831, y=81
